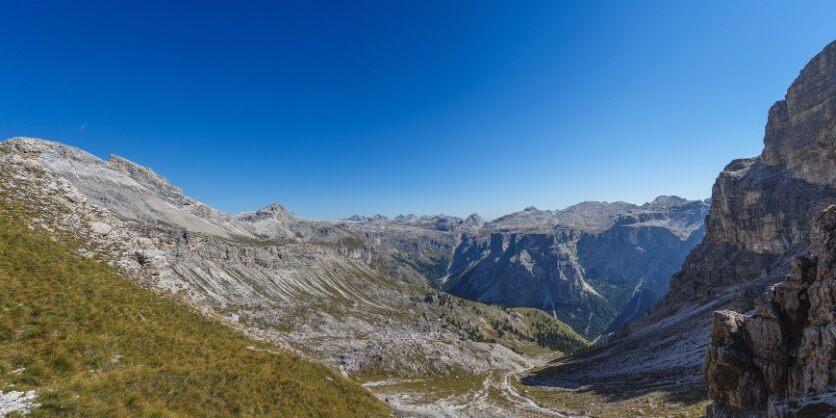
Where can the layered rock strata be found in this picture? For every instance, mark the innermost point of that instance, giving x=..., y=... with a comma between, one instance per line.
x=778, y=362
x=594, y=265
x=306, y=286
x=761, y=206
x=757, y=226
x=414, y=249
x=767, y=222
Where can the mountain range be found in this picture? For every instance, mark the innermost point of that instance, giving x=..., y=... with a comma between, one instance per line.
x=366, y=295
x=669, y=308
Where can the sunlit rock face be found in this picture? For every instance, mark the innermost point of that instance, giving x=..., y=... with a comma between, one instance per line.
x=778, y=361
x=593, y=265
x=771, y=221
x=761, y=207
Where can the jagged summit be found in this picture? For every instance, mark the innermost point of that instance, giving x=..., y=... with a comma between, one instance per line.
x=148, y=178
x=137, y=193
x=361, y=218
x=276, y=211
x=528, y=218
x=474, y=220
x=593, y=215
x=665, y=201
x=558, y=261
x=762, y=206
x=799, y=134
x=771, y=361
x=765, y=214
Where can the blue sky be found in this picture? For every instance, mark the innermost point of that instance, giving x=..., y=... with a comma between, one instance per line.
x=337, y=108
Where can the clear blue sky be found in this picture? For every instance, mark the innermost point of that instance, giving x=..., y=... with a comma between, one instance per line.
x=337, y=108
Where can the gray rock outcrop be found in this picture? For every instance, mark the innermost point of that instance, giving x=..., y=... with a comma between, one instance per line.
x=771, y=355
x=593, y=265
x=778, y=361
x=761, y=207
x=758, y=225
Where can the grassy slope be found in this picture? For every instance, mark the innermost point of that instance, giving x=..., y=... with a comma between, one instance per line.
x=521, y=335
x=95, y=344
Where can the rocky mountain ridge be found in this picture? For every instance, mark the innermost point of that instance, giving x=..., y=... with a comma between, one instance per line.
x=766, y=352
x=305, y=286
x=545, y=259
x=576, y=263
x=761, y=207
x=775, y=361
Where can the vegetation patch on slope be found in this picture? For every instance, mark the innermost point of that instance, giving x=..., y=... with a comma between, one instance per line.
x=92, y=343
x=595, y=314
x=527, y=331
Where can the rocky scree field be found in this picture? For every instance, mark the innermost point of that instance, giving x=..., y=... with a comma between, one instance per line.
x=308, y=291
x=79, y=338
x=594, y=265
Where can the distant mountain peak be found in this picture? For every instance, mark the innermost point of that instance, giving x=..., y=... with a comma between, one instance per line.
x=474, y=220
x=666, y=201
x=274, y=208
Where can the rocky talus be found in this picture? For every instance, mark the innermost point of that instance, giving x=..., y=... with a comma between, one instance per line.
x=779, y=361
x=593, y=265
x=305, y=286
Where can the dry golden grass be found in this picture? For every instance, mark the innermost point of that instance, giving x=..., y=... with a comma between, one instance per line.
x=93, y=343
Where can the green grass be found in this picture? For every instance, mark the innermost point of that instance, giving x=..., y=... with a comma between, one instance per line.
x=677, y=401
x=532, y=332
x=433, y=268
x=593, y=315
x=93, y=343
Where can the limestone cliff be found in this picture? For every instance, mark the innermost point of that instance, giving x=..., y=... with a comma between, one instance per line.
x=766, y=222
x=778, y=361
x=758, y=224
x=414, y=249
x=593, y=265
x=759, y=218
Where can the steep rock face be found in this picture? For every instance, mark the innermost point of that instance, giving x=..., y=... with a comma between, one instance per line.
x=758, y=218
x=761, y=206
x=593, y=265
x=318, y=298
x=758, y=224
x=416, y=250
x=138, y=194
x=594, y=257
x=519, y=270
x=778, y=361
x=641, y=242
x=800, y=136
x=595, y=216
